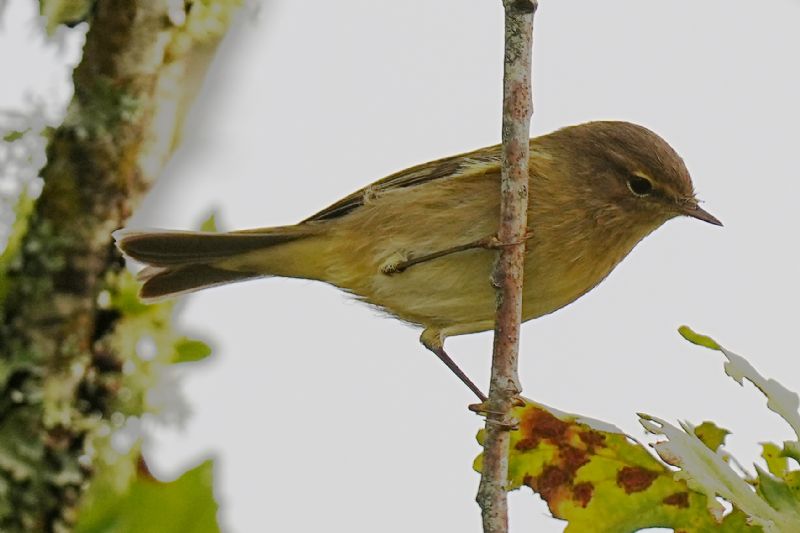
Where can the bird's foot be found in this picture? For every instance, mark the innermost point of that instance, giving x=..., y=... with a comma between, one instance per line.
x=504, y=420
x=493, y=242
x=395, y=263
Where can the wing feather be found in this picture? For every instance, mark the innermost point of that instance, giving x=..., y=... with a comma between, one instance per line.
x=480, y=161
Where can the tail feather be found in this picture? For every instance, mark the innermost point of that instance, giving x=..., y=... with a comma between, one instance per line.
x=162, y=282
x=183, y=261
x=166, y=248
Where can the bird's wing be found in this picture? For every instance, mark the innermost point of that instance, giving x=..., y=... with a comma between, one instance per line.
x=484, y=160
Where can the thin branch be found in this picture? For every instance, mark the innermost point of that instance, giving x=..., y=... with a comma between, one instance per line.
x=508, y=273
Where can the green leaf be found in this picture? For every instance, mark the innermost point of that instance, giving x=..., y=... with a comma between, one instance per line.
x=185, y=505
x=124, y=295
x=210, y=224
x=697, y=338
x=791, y=449
x=711, y=435
x=12, y=136
x=780, y=497
x=777, y=463
x=597, y=479
x=792, y=480
x=19, y=228
x=188, y=350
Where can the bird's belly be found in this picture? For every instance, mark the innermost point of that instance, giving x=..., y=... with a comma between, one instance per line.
x=455, y=292
x=454, y=289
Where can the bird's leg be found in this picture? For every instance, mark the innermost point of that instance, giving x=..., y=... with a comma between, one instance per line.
x=400, y=265
x=401, y=262
x=432, y=340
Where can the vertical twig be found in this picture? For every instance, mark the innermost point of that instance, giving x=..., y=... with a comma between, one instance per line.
x=508, y=272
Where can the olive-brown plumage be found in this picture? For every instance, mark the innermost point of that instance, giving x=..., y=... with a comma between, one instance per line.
x=596, y=190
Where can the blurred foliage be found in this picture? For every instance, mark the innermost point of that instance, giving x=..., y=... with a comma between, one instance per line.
x=201, y=21
x=190, y=350
x=14, y=135
x=185, y=505
x=130, y=364
x=67, y=12
x=22, y=212
x=210, y=223
x=121, y=487
x=599, y=479
x=23, y=137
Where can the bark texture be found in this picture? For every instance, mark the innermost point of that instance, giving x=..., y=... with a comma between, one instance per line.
x=504, y=387
x=141, y=64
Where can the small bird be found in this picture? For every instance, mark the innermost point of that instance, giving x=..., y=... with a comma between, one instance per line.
x=419, y=244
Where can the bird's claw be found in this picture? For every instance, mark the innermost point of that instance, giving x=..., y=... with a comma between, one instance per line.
x=498, y=418
x=493, y=242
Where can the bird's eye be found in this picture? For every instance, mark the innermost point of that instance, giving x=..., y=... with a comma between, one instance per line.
x=639, y=185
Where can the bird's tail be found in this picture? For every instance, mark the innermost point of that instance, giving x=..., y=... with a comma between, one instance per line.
x=177, y=262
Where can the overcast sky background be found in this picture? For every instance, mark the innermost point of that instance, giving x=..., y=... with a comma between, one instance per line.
x=325, y=416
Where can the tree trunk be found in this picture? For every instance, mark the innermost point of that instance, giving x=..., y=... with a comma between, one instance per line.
x=141, y=66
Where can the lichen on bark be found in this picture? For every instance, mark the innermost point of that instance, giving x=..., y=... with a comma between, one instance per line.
x=60, y=369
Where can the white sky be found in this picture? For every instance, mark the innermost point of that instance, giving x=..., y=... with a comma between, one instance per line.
x=324, y=416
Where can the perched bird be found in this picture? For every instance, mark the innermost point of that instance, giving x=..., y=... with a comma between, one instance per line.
x=417, y=243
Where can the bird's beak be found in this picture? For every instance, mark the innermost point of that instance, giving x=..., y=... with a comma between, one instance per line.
x=695, y=211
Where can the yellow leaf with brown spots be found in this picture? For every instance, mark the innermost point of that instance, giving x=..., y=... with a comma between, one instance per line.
x=598, y=479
